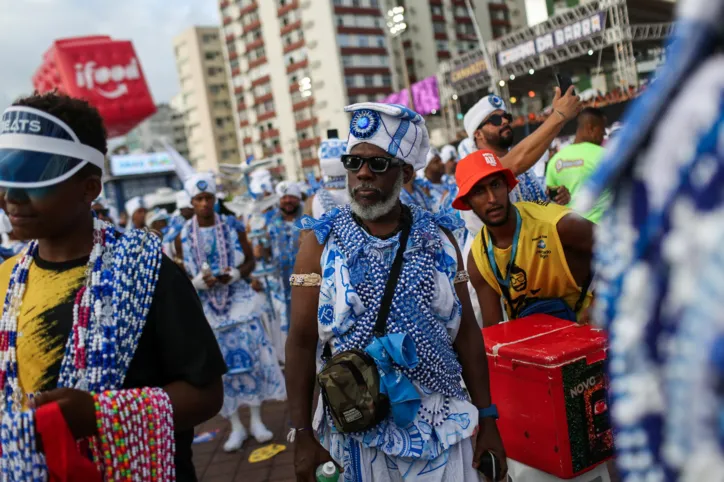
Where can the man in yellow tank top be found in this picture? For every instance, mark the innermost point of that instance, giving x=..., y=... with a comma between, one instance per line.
x=533, y=251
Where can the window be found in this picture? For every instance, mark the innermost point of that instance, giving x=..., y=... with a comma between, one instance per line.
x=436, y=9
x=363, y=41
x=219, y=122
x=210, y=55
x=441, y=45
x=344, y=40
x=285, y=21
x=340, y=21
x=438, y=27
x=461, y=12
x=386, y=80
x=369, y=81
x=380, y=41
x=350, y=80
x=355, y=3
x=374, y=3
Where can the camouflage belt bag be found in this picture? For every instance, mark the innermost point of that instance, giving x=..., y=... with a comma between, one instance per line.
x=350, y=381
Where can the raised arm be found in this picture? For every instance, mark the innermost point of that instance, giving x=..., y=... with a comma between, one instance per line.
x=527, y=152
x=488, y=298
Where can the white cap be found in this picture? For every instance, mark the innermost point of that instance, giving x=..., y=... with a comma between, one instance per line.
x=399, y=131
x=183, y=199
x=481, y=111
x=156, y=215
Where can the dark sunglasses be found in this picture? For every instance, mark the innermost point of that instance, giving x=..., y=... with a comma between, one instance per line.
x=377, y=164
x=102, y=212
x=497, y=119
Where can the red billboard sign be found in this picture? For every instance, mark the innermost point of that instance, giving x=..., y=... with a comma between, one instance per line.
x=105, y=72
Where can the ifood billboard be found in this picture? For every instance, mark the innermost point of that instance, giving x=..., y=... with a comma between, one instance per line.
x=105, y=72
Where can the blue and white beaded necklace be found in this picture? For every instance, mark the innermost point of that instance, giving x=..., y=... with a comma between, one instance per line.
x=120, y=282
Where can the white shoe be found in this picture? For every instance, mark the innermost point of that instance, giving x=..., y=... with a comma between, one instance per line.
x=235, y=441
x=261, y=433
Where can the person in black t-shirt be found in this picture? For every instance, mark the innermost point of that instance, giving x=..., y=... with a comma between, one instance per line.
x=176, y=351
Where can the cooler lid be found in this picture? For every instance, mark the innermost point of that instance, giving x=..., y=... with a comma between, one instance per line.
x=542, y=340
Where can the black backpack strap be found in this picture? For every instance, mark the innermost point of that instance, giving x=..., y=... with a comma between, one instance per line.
x=584, y=291
x=386, y=304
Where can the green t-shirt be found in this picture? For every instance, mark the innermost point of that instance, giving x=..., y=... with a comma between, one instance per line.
x=571, y=167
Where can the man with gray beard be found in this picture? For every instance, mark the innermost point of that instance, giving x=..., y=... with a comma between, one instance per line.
x=338, y=286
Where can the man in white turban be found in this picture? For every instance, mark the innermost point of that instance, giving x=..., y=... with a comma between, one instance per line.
x=218, y=258
x=136, y=210
x=333, y=192
x=343, y=267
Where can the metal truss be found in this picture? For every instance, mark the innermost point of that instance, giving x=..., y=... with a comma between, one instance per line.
x=651, y=31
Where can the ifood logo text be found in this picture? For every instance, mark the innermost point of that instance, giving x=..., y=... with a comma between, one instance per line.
x=93, y=77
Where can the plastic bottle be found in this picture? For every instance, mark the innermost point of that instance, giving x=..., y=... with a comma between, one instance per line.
x=327, y=472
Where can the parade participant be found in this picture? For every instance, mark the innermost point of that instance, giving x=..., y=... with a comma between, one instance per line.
x=184, y=212
x=340, y=276
x=219, y=260
x=157, y=220
x=136, y=210
x=466, y=147
x=449, y=158
x=529, y=253
x=487, y=123
x=574, y=164
x=334, y=188
x=97, y=310
x=102, y=210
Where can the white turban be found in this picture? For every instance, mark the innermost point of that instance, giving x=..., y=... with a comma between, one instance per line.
x=287, y=188
x=134, y=204
x=200, y=182
x=394, y=128
x=466, y=147
x=330, y=157
x=431, y=154
x=481, y=111
x=448, y=153
x=156, y=215
x=260, y=181
x=183, y=200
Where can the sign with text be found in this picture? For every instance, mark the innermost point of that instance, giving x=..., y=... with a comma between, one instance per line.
x=135, y=164
x=425, y=95
x=469, y=69
x=554, y=39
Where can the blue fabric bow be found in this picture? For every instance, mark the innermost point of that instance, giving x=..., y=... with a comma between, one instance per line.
x=400, y=349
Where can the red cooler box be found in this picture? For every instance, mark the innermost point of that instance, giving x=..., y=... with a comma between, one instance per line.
x=547, y=379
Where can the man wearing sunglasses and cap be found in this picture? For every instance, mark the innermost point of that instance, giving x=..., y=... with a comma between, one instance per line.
x=79, y=274
x=487, y=123
x=340, y=280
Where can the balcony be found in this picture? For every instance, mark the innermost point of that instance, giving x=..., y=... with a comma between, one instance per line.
x=294, y=46
x=266, y=116
x=224, y=4
x=270, y=151
x=311, y=162
x=305, y=123
x=438, y=18
x=296, y=66
x=360, y=30
x=243, y=122
x=233, y=55
x=291, y=27
x=238, y=90
x=254, y=45
x=304, y=143
x=257, y=62
x=260, y=81
x=270, y=134
x=464, y=19
x=230, y=38
x=235, y=71
x=287, y=8
x=246, y=140
x=252, y=26
x=366, y=70
x=227, y=21
x=371, y=11
x=440, y=36
x=247, y=9
x=303, y=104
x=363, y=51
x=263, y=98
x=443, y=54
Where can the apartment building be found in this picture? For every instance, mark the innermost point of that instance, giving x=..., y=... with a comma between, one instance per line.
x=180, y=142
x=294, y=64
x=208, y=116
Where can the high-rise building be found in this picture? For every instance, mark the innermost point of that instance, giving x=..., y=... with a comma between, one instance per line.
x=294, y=64
x=180, y=142
x=207, y=108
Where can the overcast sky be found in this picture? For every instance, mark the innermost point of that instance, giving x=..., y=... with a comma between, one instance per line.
x=28, y=28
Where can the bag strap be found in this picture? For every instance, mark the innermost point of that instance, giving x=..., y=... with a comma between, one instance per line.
x=386, y=304
x=381, y=323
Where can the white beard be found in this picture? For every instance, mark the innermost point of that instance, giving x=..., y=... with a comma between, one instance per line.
x=370, y=213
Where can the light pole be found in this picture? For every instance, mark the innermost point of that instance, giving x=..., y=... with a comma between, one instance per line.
x=396, y=25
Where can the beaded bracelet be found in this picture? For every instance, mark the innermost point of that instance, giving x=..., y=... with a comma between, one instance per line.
x=135, y=435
